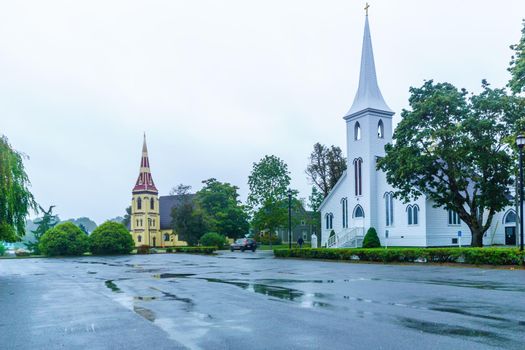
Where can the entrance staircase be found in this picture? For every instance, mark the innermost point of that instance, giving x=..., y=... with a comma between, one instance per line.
x=348, y=238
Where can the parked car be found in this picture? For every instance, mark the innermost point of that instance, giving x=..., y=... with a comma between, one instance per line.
x=243, y=244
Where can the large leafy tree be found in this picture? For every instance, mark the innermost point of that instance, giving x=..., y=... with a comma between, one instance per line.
x=224, y=212
x=314, y=202
x=46, y=222
x=268, y=183
x=517, y=65
x=454, y=149
x=326, y=165
x=188, y=219
x=15, y=198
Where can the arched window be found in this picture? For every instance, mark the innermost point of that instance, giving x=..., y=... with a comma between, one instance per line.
x=329, y=221
x=357, y=176
x=389, y=208
x=357, y=131
x=380, y=129
x=152, y=203
x=139, y=203
x=139, y=238
x=413, y=214
x=510, y=217
x=359, y=212
x=166, y=237
x=344, y=208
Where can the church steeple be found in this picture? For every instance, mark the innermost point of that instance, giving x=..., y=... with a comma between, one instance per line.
x=145, y=180
x=368, y=96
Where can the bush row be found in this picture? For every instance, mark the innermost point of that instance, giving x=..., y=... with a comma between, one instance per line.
x=476, y=256
x=195, y=250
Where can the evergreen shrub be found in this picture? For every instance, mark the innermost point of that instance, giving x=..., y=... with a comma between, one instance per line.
x=371, y=239
x=211, y=239
x=111, y=238
x=64, y=239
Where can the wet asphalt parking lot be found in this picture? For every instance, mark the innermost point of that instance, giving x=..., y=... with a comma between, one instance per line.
x=255, y=301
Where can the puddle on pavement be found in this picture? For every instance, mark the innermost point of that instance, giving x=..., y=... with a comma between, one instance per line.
x=453, y=331
x=91, y=272
x=144, y=298
x=111, y=285
x=146, y=313
x=173, y=275
x=462, y=283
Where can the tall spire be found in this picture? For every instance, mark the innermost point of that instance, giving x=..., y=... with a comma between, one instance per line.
x=368, y=95
x=145, y=180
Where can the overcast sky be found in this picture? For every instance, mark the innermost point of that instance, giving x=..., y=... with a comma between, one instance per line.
x=216, y=85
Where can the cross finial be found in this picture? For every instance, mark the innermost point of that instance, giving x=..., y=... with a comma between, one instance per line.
x=366, y=8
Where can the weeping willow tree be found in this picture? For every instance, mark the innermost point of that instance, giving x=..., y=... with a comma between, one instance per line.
x=15, y=198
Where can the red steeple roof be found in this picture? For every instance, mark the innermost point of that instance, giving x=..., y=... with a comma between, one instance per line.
x=145, y=180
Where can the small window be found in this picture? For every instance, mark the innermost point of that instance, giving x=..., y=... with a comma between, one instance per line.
x=357, y=131
x=454, y=241
x=152, y=203
x=412, y=214
x=389, y=208
x=359, y=212
x=139, y=238
x=166, y=237
x=453, y=218
x=344, y=208
x=139, y=203
x=380, y=129
x=329, y=221
x=510, y=218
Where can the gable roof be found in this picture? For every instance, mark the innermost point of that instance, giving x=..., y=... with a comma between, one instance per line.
x=166, y=205
x=339, y=182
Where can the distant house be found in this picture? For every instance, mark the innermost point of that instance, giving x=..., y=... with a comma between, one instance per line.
x=303, y=225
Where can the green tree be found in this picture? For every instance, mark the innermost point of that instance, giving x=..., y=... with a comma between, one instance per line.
x=46, y=222
x=15, y=198
x=371, y=239
x=454, y=149
x=111, y=238
x=188, y=219
x=127, y=218
x=314, y=202
x=64, y=239
x=224, y=212
x=213, y=239
x=268, y=183
x=517, y=65
x=326, y=165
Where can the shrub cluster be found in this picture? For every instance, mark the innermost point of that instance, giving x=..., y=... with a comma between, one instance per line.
x=2, y=249
x=476, y=256
x=371, y=239
x=64, y=239
x=111, y=238
x=195, y=250
x=211, y=239
x=143, y=249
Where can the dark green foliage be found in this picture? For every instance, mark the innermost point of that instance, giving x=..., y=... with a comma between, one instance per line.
x=264, y=237
x=169, y=250
x=195, y=250
x=64, y=239
x=326, y=166
x=15, y=198
x=2, y=249
x=127, y=218
x=476, y=256
x=457, y=150
x=371, y=239
x=223, y=210
x=517, y=65
x=87, y=224
x=111, y=238
x=46, y=222
x=143, y=249
x=213, y=239
x=189, y=220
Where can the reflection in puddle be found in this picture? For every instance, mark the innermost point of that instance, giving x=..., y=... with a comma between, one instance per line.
x=145, y=298
x=173, y=275
x=111, y=285
x=146, y=313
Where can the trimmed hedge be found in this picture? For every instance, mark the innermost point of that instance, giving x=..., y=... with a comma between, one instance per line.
x=475, y=256
x=195, y=250
x=213, y=239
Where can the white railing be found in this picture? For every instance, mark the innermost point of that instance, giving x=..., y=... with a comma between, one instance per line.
x=352, y=237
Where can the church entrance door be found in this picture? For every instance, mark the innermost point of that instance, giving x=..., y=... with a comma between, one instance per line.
x=154, y=241
x=510, y=235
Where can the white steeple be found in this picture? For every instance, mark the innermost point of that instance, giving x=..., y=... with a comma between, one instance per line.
x=368, y=95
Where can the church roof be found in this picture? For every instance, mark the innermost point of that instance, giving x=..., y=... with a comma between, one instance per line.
x=166, y=205
x=145, y=180
x=368, y=95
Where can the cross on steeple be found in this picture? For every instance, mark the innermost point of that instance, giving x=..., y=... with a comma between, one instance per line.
x=366, y=8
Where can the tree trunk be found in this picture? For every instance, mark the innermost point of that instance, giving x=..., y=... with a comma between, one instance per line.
x=477, y=237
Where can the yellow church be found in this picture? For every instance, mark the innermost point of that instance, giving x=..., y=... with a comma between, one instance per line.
x=150, y=222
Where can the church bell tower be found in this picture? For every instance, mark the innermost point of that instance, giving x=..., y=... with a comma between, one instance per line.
x=145, y=218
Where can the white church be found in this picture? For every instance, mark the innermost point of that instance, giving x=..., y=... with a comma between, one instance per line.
x=362, y=198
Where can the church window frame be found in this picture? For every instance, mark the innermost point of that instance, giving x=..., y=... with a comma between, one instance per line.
x=389, y=209
x=358, y=212
x=139, y=203
x=166, y=237
x=344, y=209
x=380, y=129
x=357, y=131
x=358, y=162
x=139, y=238
x=329, y=221
x=412, y=215
x=152, y=203
x=510, y=217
